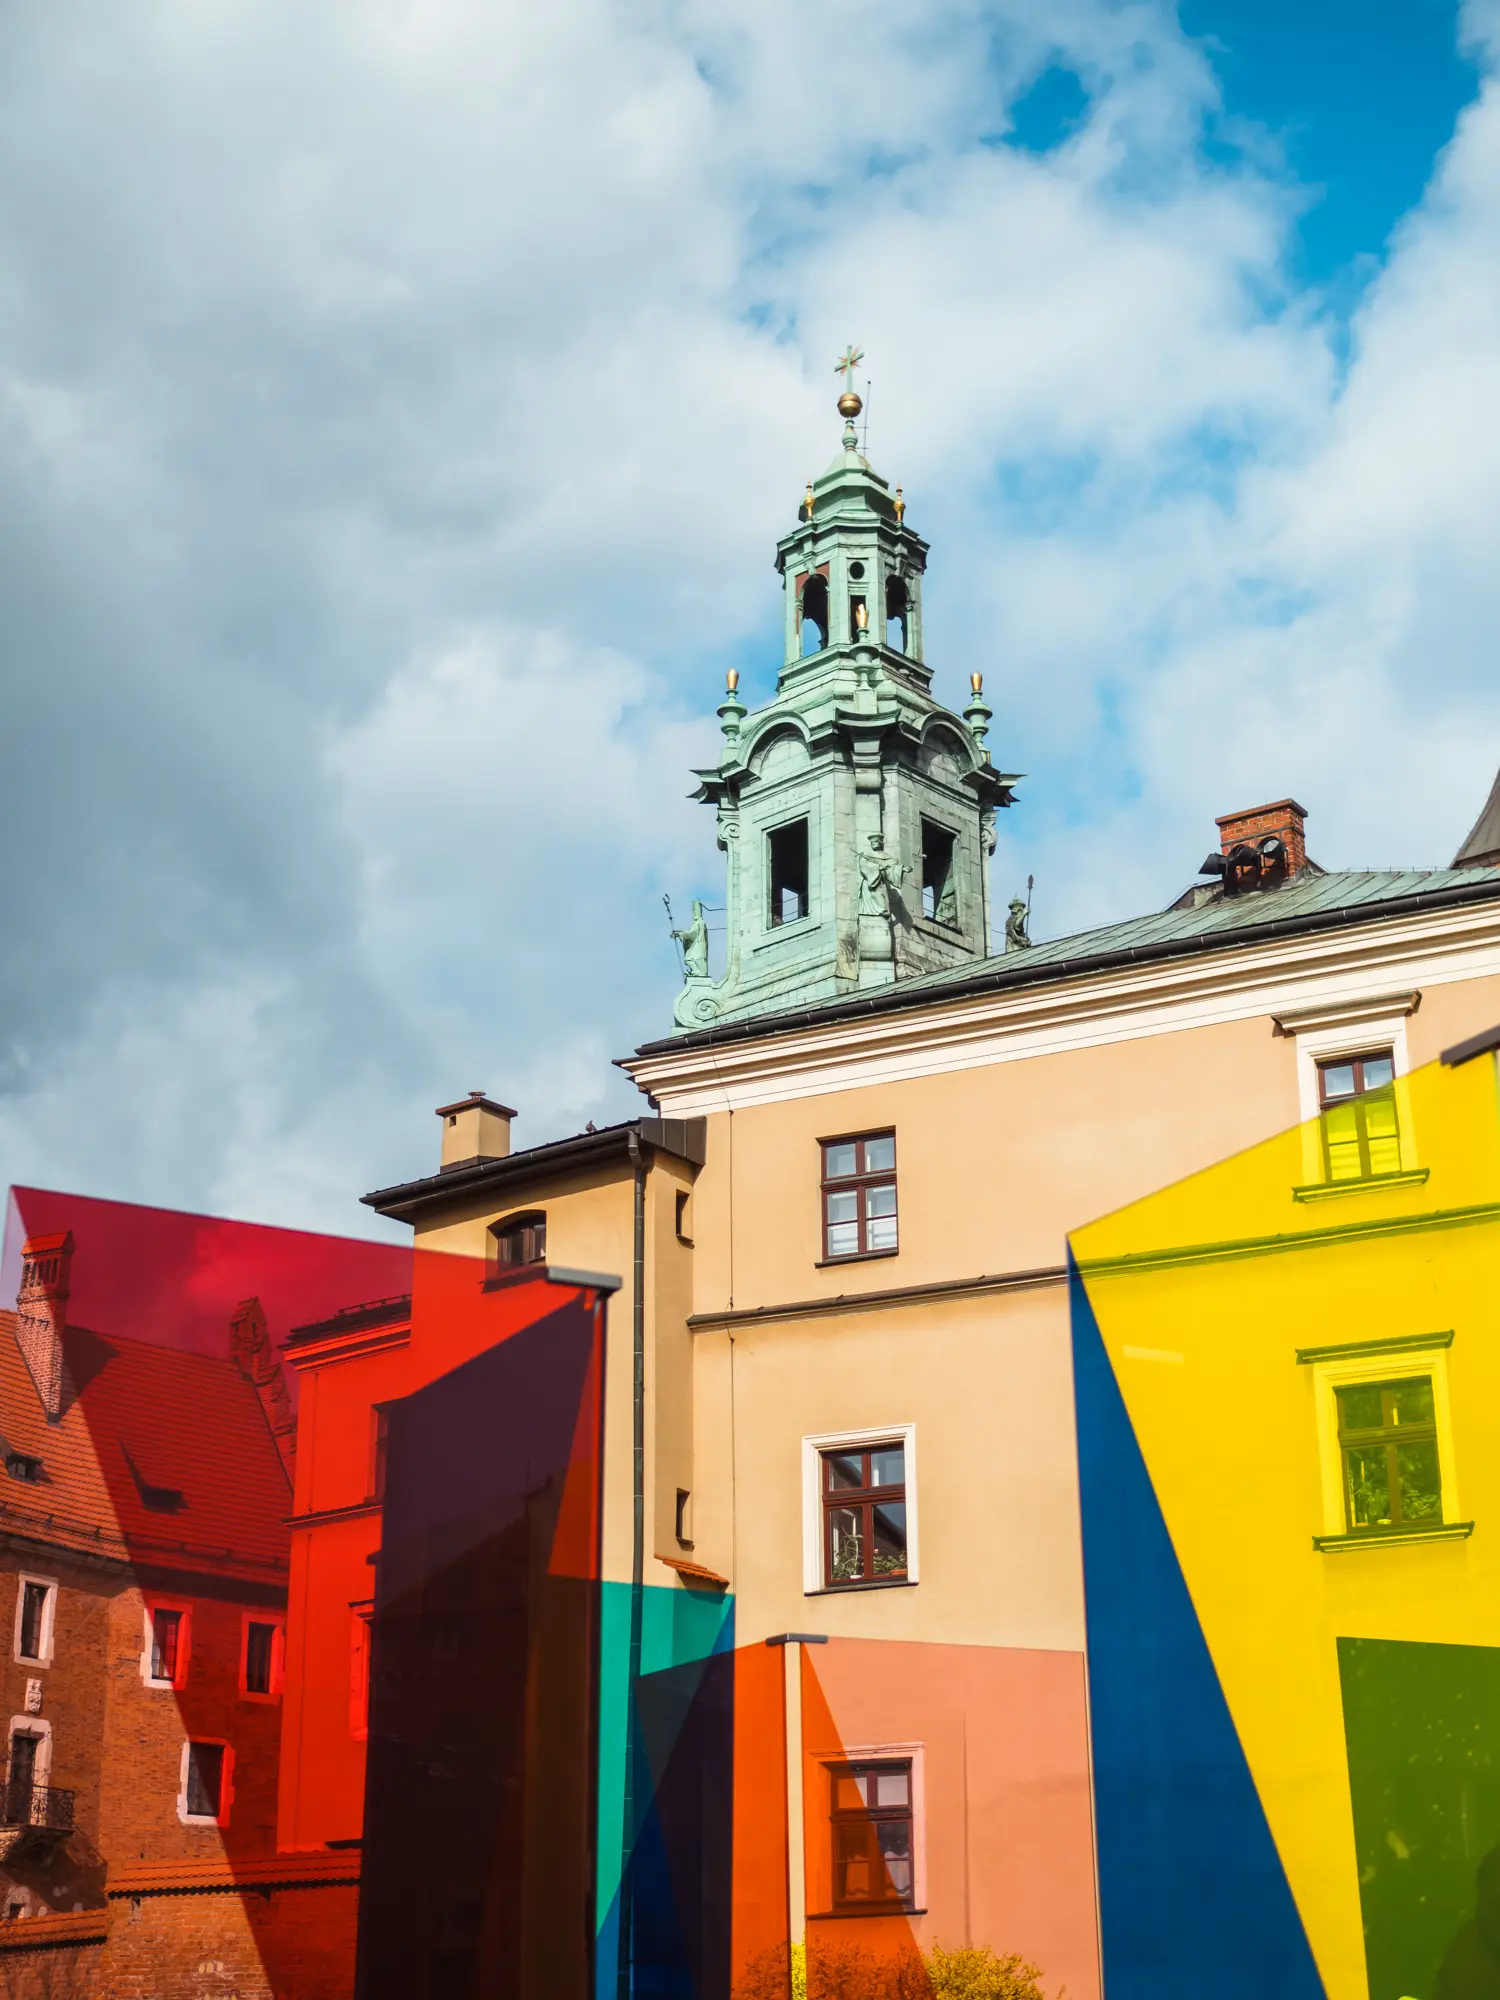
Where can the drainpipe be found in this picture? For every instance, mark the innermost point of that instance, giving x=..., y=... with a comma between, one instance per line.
x=625, y=1980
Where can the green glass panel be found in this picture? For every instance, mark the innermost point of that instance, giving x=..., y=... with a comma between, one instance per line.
x=1411, y=1402
x=1382, y=1136
x=1417, y=1474
x=1367, y=1482
x=1341, y=1128
x=1422, y=1736
x=1380, y=1071
x=1360, y=1407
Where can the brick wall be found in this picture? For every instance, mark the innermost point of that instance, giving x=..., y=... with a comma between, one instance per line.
x=282, y=1942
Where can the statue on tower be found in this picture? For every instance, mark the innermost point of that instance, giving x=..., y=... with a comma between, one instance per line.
x=694, y=942
x=879, y=873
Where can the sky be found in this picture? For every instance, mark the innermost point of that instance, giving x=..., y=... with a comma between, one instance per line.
x=400, y=403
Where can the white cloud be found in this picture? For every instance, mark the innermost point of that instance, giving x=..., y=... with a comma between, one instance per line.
x=399, y=404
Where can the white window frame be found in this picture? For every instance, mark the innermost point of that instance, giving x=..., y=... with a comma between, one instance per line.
x=184, y=1642
x=49, y=1620
x=882, y=1753
x=277, y=1620
x=226, y=1782
x=813, y=1448
x=1382, y=1361
x=1354, y=1028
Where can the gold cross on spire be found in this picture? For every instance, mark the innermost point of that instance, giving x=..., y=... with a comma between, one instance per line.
x=847, y=362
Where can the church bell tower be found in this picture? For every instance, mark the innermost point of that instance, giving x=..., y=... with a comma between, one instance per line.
x=857, y=814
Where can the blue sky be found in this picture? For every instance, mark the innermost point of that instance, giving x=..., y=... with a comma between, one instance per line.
x=1359, y=96
x=399, y=405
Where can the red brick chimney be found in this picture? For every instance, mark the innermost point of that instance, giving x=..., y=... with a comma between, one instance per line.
x=42, y=1313
x=1282, y=821
x=252, y=1353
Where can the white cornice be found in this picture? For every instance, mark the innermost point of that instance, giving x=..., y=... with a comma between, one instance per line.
x=1288, y=977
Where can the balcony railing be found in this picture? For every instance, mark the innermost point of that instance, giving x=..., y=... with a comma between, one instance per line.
x=48, y=1806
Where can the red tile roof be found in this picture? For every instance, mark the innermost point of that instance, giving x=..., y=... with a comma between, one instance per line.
x=142, y=1423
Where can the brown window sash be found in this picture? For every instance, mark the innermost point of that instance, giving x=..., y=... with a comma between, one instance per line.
x=857, y=1839
x=863, y=1180
x=1366, y=1105
x=863, y=1500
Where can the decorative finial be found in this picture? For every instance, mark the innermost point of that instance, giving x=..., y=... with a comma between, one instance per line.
x=849, y=403
x=731, y=709
x=807, y=504
x=900, y=505
x=978, y=713
x=861, y=615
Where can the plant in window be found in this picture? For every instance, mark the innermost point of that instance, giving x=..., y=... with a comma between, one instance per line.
x=864, y=1514
x=1389, y=1452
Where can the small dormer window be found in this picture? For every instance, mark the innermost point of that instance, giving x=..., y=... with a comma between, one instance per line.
x=520, y=1240
x=787, y=871
x=23, y=1465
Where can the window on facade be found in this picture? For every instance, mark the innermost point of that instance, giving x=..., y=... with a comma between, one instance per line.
x=939, y=888
x=32, y=1619
x=205, y=1780
x=1361, y=1140
x=260, y=1656
x=23, y=1465
x=786, y=871
x=872, y=1835
x=814, y=624
x=380, y=1431
x=896, y=611
x=859, y=1195
x=1389, y=1451
x=521, y=1240
x=359, y=1669
x=166, y=1643
x=864, y=1514
x=25, y=1771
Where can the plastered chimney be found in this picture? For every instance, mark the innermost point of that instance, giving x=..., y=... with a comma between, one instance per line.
x=474, y=1129
x=42, y=1313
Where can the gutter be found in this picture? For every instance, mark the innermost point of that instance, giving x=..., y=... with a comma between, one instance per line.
x=893, y=999
x=626, y=1957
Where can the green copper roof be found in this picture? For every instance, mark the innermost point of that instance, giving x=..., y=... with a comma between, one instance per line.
x=1315, y=901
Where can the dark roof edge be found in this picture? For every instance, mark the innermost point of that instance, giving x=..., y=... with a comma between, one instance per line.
x=686, y=1138
x=893, y=999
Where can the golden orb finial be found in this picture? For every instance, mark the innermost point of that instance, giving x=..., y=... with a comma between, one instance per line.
x=976, y=682
x=850, y=405
x=732, y=680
